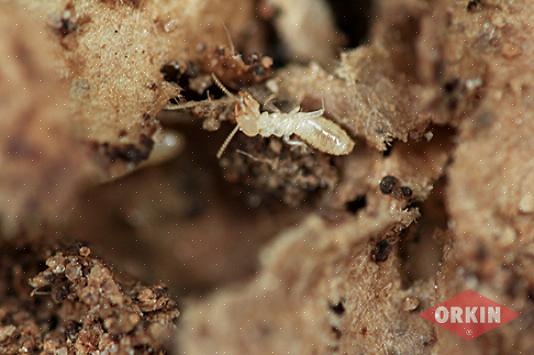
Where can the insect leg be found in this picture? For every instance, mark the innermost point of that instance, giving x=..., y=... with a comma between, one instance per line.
x=322, y=106
x=294, y=142
x=294, y=110
x=271, y=163
x=269, y=105
x=226, y=142
x=316, y=113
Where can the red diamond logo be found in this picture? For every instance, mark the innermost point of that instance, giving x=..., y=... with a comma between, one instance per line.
x=469, y=314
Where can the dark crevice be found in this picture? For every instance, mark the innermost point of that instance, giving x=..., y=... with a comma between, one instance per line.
x=381, y=251
x=421, y=248
x=274, y=46
x=357, y=204
x=389, y=148
x=353, y=18
x=180, y=75
x=53, y=322
x=473, y=5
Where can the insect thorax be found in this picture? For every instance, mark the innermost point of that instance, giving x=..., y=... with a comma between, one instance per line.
x=275, y=124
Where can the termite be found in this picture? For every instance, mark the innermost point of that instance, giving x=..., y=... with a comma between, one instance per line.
x=317, y=131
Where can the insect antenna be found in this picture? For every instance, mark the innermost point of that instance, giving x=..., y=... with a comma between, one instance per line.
x=221, y=86
x=226, y=142
x=248, y=155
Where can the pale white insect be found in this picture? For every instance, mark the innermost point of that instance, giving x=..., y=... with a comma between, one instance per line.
x=319, y=132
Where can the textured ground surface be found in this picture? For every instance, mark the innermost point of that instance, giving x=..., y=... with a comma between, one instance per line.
x=77, y=304
x=274, y=248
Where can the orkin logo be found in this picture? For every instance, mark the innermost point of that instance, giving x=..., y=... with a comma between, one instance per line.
x=469, y=314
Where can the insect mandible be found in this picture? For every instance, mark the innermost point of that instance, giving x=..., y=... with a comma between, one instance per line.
x=317, y=131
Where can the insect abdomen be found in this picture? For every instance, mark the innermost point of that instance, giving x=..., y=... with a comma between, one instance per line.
x=325, y=135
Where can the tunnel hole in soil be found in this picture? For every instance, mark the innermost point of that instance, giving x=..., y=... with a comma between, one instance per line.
x=274, y=47
x=421, y=247
x=356, y=204
x=353, y=18
x=173, y=73
x=180, y=222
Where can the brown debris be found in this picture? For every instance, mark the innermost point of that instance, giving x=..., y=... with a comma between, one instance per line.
x=414, y=166
x=112, y=55
x=436, y=198
x=491, y=178
x=411, y=304
x=235, y=70
x=129, y=153
x=334, y=287
x=132, y=3
x=364, y=95
x=275, y=169
x=77, y=305
x=315, y=294
x=492, y=208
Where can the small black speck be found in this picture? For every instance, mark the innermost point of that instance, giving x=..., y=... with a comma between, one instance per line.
x=338, y=308
x=387, y=184
x=337, y=332
x=381, y=251
x=259, y=71
x=451, y=85
x=66, y=26
x=406, y=191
